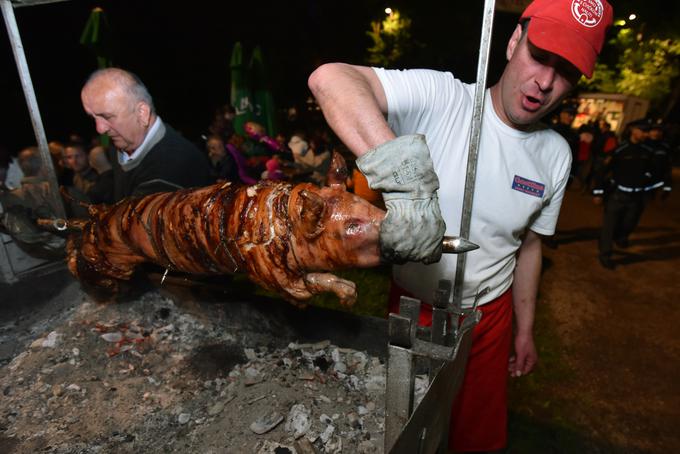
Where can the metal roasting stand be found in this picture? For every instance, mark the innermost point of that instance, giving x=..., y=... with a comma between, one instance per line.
x=425, y=429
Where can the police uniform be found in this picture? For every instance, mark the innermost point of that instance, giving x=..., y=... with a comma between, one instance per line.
x=625, y=182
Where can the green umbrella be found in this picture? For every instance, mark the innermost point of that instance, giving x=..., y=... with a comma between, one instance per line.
x=241, y=96
x=264, y=109
x=97, y=37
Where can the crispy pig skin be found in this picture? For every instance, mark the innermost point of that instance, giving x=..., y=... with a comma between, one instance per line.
x=285, y=237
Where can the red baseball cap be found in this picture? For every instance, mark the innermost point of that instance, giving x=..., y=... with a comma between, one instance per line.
x=573, y=29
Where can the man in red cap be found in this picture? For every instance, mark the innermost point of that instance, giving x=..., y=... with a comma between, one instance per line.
x=410, y=131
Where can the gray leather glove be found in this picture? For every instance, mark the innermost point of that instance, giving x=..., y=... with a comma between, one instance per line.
x=413, y=228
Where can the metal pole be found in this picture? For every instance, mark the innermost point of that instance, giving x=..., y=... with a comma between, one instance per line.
x=475, y=134
x=31, y=101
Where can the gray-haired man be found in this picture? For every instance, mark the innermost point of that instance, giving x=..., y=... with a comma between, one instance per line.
x=150, y=156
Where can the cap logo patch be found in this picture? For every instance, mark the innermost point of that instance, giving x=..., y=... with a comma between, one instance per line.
x=587, y=12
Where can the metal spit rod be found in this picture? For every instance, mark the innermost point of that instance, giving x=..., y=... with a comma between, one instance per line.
x=475, y=136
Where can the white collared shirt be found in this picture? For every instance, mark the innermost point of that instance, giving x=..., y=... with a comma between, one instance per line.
x=124, y=158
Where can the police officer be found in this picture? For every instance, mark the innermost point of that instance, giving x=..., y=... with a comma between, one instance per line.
x=624, y=182
x=662, y=158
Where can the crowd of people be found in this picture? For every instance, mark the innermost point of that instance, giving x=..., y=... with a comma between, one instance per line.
x=622, y=172
x=300, y=156
x=136, y=153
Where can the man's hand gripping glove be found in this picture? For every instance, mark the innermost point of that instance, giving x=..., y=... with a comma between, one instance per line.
x=413, y=228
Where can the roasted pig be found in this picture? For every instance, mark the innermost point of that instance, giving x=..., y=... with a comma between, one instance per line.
x=286, y=238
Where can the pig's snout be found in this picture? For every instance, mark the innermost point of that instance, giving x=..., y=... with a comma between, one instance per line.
x=354, y=224
x=360, y=242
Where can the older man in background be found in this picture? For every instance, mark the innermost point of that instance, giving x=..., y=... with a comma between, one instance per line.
x=149, y=156
x=102, y=190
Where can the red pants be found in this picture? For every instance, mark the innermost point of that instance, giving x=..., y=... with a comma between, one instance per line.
x=479, y=417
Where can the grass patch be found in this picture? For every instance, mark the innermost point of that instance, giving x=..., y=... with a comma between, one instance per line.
x=538, y=418
x=373, y=286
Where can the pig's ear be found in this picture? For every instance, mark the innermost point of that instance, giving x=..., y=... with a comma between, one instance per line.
x=337, y=172
x=310, y=208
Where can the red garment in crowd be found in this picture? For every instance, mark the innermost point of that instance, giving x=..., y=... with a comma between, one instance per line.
x=583, y=151
x=610, y=144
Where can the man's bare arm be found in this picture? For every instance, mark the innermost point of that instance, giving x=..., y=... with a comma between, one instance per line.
x=524, y=292
x=353, y=103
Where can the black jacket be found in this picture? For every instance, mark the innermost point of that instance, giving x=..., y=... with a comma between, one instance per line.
x=173, y=163
x=630, y=169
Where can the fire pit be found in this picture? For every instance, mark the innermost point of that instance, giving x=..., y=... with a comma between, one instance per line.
x=175, y=371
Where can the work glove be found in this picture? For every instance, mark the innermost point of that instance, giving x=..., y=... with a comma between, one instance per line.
x=413, y=228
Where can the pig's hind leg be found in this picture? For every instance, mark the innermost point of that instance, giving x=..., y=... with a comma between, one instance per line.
x=327, y=282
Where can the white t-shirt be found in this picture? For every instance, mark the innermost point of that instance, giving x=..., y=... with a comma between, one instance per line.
x=521, y=177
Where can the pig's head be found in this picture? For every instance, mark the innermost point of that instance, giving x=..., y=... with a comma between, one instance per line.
x=332, y=228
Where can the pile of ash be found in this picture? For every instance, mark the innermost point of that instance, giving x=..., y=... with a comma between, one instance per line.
x=151, y=375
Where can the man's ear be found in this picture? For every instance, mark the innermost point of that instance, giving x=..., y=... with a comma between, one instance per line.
x=514, y=40
x=143, y=112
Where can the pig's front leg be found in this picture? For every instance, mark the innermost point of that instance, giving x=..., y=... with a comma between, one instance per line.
x=327, y=282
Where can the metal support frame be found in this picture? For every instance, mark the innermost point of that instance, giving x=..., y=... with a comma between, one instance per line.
x=425, y=429
x=31, y=101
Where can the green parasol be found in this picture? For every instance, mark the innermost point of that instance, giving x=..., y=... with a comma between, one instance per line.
x=264, y=109
x=97, y=37
x=241, y=96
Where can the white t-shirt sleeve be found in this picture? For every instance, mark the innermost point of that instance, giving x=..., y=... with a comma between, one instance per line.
x=418, y=98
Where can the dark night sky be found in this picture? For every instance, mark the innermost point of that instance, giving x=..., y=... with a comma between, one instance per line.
x=181, y=51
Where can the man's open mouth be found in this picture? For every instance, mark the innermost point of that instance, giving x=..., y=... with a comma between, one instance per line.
x=530, y=103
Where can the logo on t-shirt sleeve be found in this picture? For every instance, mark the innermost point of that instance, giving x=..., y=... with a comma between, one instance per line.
x=528, y=186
